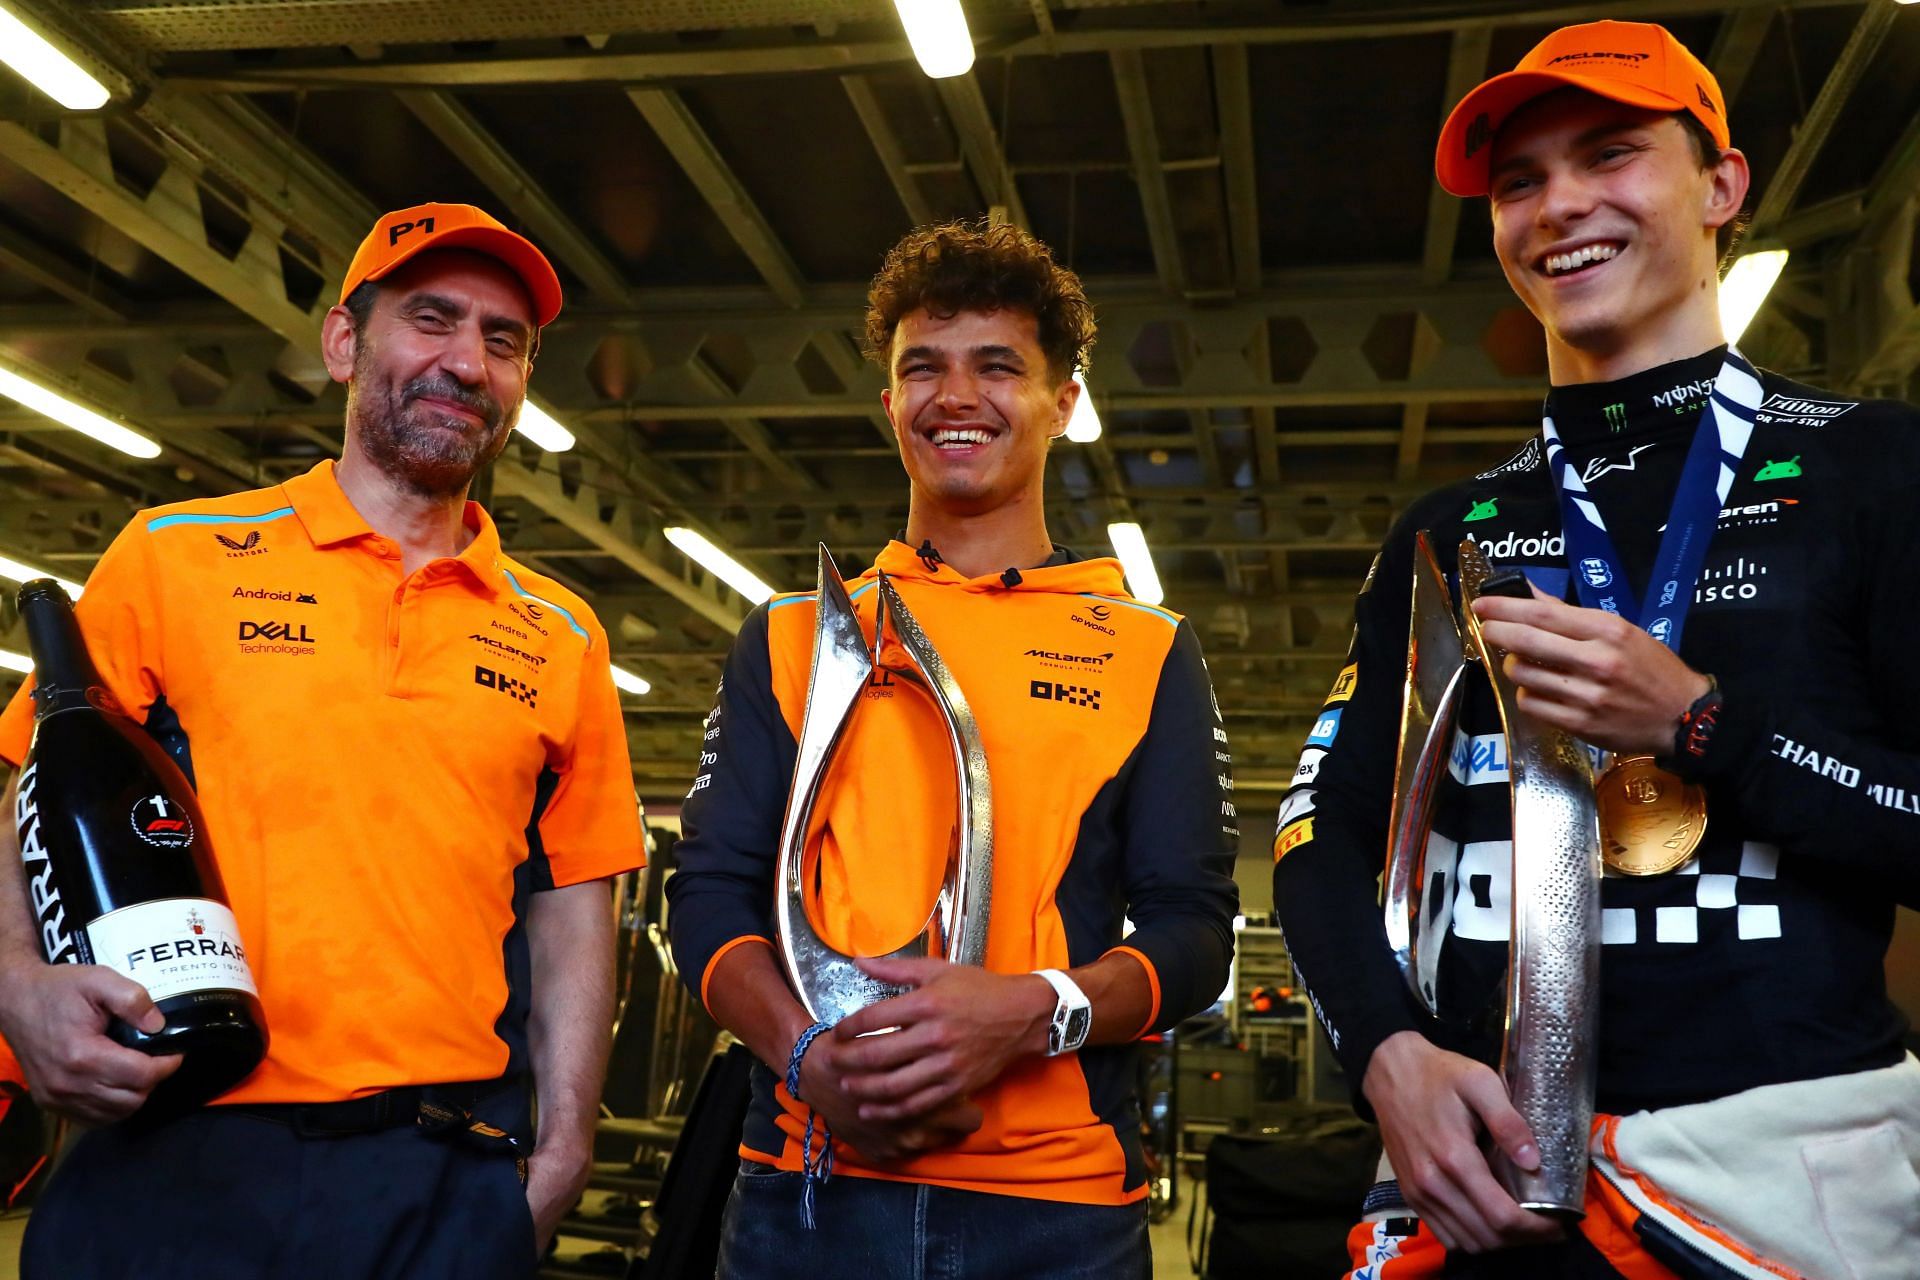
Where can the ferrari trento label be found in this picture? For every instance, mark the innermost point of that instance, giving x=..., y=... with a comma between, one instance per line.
x=173, y=946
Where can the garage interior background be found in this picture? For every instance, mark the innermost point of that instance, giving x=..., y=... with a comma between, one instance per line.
x=1299, y=331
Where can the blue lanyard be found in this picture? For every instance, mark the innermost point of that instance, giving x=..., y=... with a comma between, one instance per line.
x=1712, y=462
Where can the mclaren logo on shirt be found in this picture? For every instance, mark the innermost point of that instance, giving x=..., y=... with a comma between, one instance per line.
x=1071, y=661
x=532, y=661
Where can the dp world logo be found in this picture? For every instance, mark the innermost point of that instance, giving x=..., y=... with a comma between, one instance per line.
x=1595, y=571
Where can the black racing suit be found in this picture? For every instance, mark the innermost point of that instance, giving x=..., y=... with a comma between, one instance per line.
x=1761, y=961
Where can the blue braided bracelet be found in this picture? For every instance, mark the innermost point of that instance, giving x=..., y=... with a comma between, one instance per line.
x=815, y=1170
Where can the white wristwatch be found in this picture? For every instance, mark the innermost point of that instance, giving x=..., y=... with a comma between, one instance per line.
x=1072, y=1015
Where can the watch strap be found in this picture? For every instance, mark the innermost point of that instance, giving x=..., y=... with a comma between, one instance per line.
x=1072, y=1014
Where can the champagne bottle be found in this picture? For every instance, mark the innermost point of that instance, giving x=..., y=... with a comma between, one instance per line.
x=119, y=870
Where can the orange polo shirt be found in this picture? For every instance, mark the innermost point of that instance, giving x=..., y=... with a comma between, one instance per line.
x=389, y=765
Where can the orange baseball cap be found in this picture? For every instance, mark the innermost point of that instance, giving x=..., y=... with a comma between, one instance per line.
x=1637, y=63
x=405, y=233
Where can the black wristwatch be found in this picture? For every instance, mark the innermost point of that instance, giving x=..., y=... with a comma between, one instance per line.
x=1693, y=731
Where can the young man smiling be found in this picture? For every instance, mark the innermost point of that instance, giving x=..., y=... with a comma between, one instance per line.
x=969, y=1141
x=418, y=864
x=1679, y=497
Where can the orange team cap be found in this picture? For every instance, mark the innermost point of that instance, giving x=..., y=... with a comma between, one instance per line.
x=404, y=233
x=1637, y=63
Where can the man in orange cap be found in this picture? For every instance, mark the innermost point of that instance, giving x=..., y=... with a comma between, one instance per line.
x=414, y=769
x=1667, y=515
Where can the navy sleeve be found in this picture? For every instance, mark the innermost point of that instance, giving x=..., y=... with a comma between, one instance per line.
x=730, y=824
x=1181, y=835
x=1330, y=847
x=1829, y=768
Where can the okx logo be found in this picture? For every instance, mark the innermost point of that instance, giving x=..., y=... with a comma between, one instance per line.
x=518, y=690
x=1074, y=695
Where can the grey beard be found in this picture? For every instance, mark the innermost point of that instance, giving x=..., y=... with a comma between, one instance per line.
x=393, y=434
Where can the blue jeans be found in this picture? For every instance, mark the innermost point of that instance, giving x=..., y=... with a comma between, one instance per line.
x=876, y=1230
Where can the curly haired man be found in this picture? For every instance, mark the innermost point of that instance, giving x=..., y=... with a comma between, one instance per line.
x=993, y=1130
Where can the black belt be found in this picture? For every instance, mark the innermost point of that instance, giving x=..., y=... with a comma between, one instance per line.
x=435, y=1107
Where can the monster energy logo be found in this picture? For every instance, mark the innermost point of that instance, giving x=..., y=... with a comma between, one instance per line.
x=1616, y=416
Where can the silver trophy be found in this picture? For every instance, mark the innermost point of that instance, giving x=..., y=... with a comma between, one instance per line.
x=1553, y=987
x=830, y=984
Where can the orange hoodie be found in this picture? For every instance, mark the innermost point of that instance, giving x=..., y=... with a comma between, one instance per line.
x=1112, y=799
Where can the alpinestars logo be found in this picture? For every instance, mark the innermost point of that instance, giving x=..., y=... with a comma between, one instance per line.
x=1073, y=695
x=518, y=690
x=247, y=546
x=1597, y=467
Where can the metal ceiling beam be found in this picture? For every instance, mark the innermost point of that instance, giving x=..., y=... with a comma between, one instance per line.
x=756, y=436
x=539, y=213
x=1226, y=368
x=667, y=113
x=1736, y=47
x=886, y=145
x=1233, y=105
x=168, y=221
x=750, y=54
x=36, y=265
x=1149, y=175
x=1869, y=33
x=621, y=531
x=980, y=144
x=1466, y=67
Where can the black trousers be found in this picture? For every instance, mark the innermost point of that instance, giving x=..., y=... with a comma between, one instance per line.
x=224, y=1194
